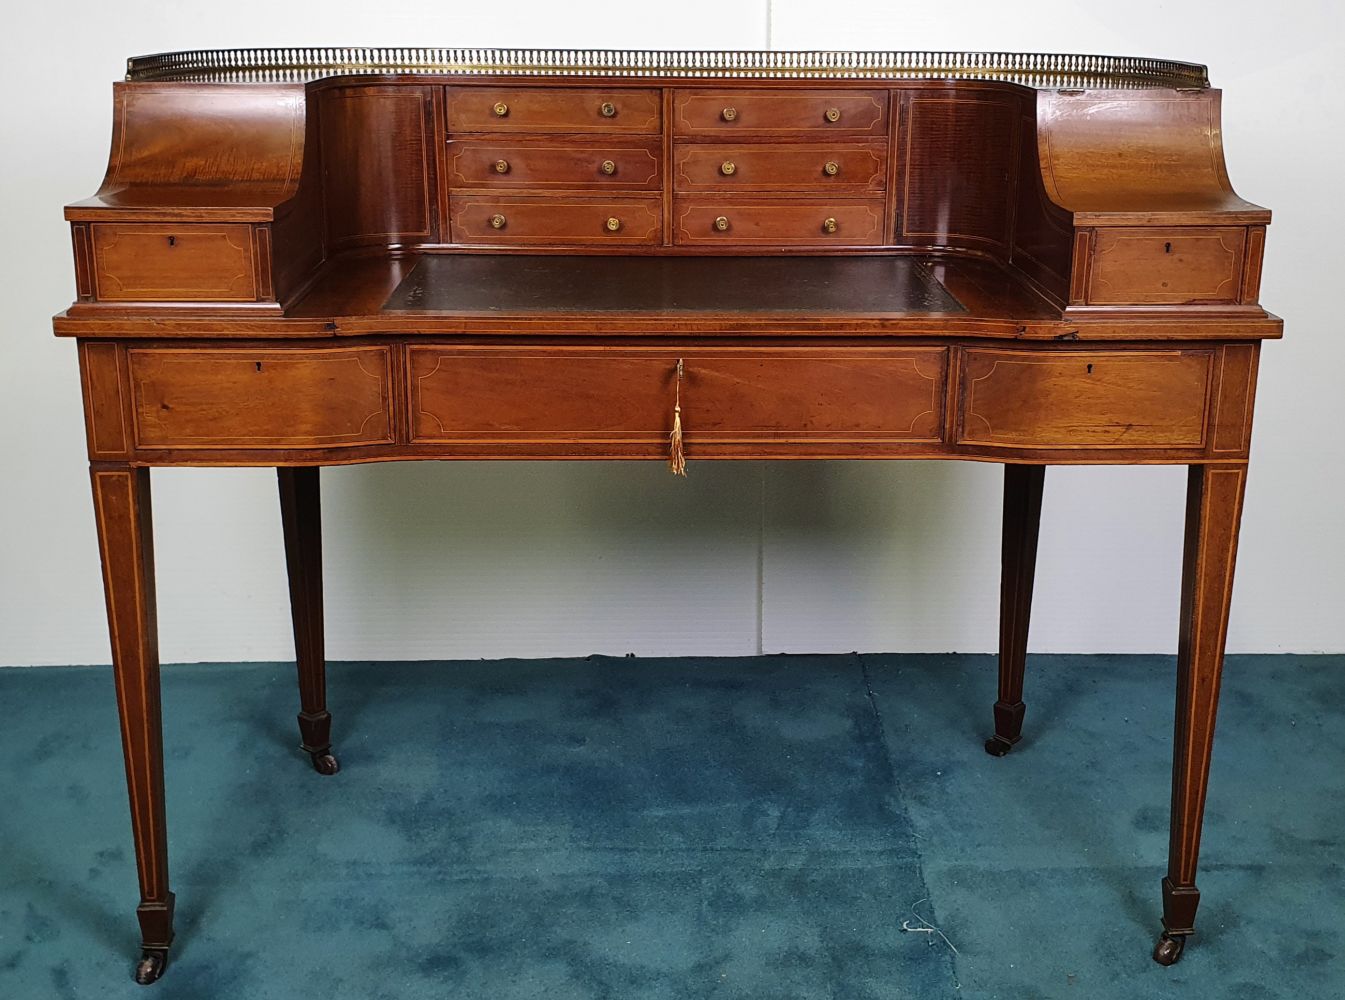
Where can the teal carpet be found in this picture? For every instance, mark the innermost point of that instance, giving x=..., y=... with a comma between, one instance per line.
x=718, y=828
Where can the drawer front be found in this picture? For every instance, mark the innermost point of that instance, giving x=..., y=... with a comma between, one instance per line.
x=1085, y=399
x=1166, y=266
x=521, y=221
x=783, y=223
x=554, y=109
x=480, y=163
x=578, y=395
x=812, y=113
x=188, y=263
x=848, y=167
x=266, y=398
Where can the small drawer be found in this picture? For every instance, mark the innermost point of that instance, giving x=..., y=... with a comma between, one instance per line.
x=795, y=222
x=553, y=109
x=263, y=398
x=615, y=221
x=189, y=263
x=1084, y=399
x=790, y=399
x=849, y=167
x=1166, y=266
x=478, y=163
x=811, y=113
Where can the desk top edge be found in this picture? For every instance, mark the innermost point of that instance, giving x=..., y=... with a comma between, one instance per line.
x=1042, y=71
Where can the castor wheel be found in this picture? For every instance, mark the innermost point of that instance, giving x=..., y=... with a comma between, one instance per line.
x=997, y=746
x=1169, y=948
x=325, y=763
x=151, y=965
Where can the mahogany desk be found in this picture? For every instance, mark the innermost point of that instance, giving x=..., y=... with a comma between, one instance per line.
x=302, y=258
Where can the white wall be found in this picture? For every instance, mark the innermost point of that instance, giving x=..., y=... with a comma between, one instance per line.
x=468, y=560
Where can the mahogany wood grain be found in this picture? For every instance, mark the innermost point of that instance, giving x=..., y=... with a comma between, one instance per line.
x=1166, y=266
x=810, y=222
x=522, y=221
x=121, y=501
x=140, y=262
x=1096, y=399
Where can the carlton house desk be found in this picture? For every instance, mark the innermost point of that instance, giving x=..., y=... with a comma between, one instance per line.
x=309, y=257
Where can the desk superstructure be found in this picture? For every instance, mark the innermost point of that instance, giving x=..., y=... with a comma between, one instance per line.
x=314, y=257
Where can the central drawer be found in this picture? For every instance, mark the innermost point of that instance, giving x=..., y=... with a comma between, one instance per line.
x=833, y=167
x=795, y=398
x=791, y=222
x=482, y=163
x=553, y=109
x=805, y=114
x=580, y=221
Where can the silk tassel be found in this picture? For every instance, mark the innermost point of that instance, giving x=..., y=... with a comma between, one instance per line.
x=676, y=459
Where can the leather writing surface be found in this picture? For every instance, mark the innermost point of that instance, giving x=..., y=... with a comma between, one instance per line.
x=516, y=283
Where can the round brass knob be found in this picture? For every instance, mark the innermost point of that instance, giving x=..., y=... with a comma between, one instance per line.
x=501, y=109
x=831, y=168
x=828, y=225
x=722, y=223
x=608, y=167
x=729, y=114
x=502, y=166
x=727, y=168
x=613, y=224
x=608, y=109
x=497, y=222
x=833, y=114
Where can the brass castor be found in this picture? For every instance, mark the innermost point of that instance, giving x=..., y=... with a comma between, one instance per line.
x=997, y=746
x=324, y=762
x=151, y=965
x=1169, y=948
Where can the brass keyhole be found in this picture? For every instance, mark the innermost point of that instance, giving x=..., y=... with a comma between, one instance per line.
x=172, y=241
x=1167, y=248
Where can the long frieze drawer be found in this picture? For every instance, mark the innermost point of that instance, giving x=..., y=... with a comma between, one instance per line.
x=810, y=113
x=795, y=222
x=266, y=398
x=197, y=262
x=847, y=167
x=577, y=395
x=1166, y=266
x=1084, y=399
x=554, y=109
x=521, y=221
x=481, y=163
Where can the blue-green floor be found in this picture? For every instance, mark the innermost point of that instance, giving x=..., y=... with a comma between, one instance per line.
x=640, y=829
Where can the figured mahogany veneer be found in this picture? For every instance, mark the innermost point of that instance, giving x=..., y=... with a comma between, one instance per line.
x=318, y=257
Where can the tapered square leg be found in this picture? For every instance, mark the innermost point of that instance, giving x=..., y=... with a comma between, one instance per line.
x=1213, y=513
x=1018, y=564
x=121, y=500
x=301, y=516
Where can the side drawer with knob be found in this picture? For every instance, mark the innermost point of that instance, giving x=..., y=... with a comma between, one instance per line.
x=554, y=109
x=481, y=163
x=855, y=168
x=806, y=114
x=487, y=219
x=795, y=222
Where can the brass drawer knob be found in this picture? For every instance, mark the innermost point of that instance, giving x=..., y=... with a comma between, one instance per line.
x=831, y=168
x=828, y=225
x=501, y=109
x=727, y=168
x=609, y=167
x=833, y=114
x=502, y=166
x=613, y=224
x=497, y=222
x=608, y=109
x=722, y=223
x=729, y=114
